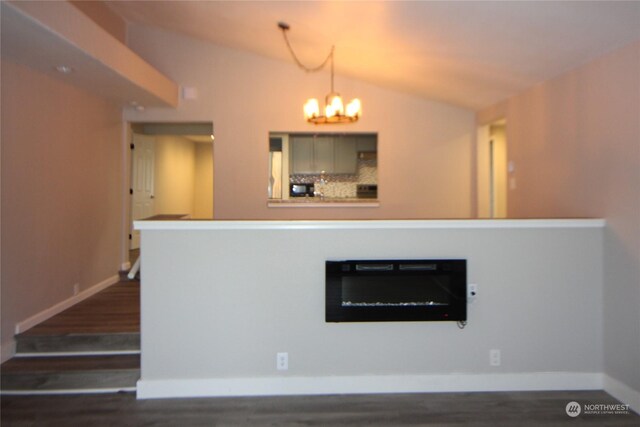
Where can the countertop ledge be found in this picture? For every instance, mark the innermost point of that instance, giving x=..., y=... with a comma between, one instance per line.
x=445, y=224
x=329, y=203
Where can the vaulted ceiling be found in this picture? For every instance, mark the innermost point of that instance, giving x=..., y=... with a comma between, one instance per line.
x=471, y=54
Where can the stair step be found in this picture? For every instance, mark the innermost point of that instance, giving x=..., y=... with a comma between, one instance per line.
x=117, y=343
x=77, y=374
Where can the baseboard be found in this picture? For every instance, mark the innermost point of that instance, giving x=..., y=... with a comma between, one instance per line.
x=61, y=306
x=622, y=392
x=125, y=266
x=275, y=386
x=7, y=350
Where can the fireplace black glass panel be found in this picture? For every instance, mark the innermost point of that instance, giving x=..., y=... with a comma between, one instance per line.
x=385, y=291
x=395, y=290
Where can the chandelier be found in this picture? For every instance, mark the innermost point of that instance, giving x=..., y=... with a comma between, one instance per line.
x=334, y=110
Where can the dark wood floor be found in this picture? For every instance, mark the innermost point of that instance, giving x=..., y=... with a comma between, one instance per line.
x=450, y=409
x=114, y=310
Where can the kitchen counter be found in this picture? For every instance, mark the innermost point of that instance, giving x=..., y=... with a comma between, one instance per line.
x=317, y=202
x=167, y=217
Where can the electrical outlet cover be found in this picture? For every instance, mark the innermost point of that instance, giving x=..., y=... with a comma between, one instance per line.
x=472, y=292
x=282, y=361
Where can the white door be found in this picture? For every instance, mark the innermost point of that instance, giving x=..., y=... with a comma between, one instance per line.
x=491, y=153
x=483, y=170
x=142, y=176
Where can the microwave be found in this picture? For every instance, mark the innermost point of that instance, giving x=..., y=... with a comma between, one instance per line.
x=301, y=190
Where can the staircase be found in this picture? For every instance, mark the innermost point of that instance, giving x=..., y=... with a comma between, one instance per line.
x=93, y=347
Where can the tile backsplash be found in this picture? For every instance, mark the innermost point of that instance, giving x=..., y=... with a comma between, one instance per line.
x=341, y=185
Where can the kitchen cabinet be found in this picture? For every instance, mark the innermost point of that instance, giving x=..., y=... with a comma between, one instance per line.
x=366, y=143
x=311, y=155
x=302, y=154
x=333, y=154
x=345, y=159
x=323, y=154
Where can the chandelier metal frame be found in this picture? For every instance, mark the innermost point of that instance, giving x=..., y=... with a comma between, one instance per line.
x=335, y=111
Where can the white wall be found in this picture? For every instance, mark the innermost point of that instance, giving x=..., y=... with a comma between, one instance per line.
x=575, y=141
x=424, y=146
x=174, y=181
x=203, y=181
x=248, y=293
x=62, y=193
x=183, y=181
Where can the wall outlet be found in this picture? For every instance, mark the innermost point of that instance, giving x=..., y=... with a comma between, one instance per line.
x=282, y=361
x=76, y=289
x=494, y=357
x=472, y=292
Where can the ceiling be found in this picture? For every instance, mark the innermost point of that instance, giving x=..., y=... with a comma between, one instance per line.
x=60, y=41
x=471, y=54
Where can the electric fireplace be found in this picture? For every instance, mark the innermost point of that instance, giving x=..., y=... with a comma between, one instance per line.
x=396, y=290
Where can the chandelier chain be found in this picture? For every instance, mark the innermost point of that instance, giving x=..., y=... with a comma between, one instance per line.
x=300, y=64
x=335, y=111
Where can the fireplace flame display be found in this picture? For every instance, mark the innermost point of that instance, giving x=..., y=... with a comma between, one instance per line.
x=396, y=290
x=389, y=304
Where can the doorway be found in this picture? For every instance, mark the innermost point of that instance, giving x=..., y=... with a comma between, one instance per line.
x=492, y=169
x=171, y=173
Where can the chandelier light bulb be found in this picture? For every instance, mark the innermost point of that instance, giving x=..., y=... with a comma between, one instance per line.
x=311, y=109
x=354, y=108
x=334, y=100
x=329, y=111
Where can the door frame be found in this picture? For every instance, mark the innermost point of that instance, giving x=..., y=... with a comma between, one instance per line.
x=135, y=151
x=491, y=171
x=186, y=127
